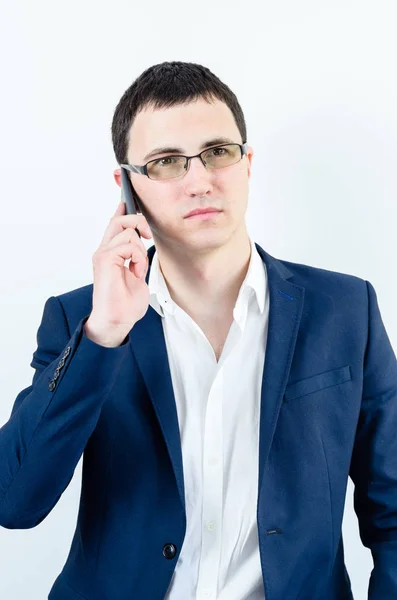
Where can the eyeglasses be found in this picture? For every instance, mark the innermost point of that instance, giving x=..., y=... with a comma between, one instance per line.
x=170, y=167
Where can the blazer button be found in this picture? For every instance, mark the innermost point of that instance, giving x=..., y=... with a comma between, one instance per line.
x=51, y=386
x=169, y=551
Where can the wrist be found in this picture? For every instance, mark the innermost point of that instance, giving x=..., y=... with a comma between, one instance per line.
x=109, y=336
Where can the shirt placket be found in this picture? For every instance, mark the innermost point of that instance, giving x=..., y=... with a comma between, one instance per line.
x=212, y=493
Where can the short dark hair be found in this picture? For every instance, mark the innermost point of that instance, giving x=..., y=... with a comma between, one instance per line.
x=169, y=84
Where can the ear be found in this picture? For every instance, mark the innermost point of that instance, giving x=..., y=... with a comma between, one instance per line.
x=250, y=154
x=117, y=176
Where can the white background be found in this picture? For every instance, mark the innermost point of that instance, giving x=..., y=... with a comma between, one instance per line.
x=317, y=83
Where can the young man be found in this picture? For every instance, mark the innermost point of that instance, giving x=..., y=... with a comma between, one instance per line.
x=220, y=396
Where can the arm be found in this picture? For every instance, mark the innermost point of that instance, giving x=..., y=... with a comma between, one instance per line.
x=374, y=460
x=49, y=426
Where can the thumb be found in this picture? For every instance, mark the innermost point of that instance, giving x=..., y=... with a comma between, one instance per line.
x=120, y=210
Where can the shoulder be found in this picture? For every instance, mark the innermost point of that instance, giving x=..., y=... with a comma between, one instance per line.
x=319, y=282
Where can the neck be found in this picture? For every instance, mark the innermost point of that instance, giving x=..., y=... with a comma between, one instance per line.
x=207, y=283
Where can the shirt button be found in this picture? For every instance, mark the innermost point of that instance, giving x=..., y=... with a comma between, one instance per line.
x=213, y=461
x=207, y=594
x=210, y=525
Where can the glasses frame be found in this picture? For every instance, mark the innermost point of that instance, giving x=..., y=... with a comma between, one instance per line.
x=142, y=169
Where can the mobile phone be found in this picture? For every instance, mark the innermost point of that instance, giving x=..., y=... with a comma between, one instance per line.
x=129, y=195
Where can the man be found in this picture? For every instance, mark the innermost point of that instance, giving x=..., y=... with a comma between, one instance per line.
x=220, y=396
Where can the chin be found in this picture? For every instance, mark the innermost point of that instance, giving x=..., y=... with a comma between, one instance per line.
x=207, y=239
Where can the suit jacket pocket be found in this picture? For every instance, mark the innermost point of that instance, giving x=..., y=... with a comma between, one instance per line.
x=317, y=382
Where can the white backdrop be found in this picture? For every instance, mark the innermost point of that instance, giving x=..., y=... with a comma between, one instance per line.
x=316, y=81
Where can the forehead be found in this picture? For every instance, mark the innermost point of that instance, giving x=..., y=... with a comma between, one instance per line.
x=184, y=125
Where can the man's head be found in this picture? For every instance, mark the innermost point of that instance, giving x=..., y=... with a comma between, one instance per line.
x=183, y=106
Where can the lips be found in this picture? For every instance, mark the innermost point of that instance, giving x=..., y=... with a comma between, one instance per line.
x=201, y=211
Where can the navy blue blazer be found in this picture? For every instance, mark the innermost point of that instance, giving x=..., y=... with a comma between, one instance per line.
x=328, y=410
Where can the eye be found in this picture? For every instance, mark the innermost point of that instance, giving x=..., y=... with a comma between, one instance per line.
x=160, y=162
x=219, y=151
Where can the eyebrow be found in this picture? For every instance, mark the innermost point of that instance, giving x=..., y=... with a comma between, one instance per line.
x=165, y=149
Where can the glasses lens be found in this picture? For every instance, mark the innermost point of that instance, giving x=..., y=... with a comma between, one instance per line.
x=174, y=166
x=222, y=156
x=166, y=168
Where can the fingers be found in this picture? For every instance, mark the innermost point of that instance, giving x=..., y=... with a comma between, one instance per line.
x=125, y=236
x=121, y=207
x=120, y=221
x=118, y=255
x=121, y=242
x=128, y=236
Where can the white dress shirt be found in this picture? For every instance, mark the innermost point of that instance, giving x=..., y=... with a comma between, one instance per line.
x=218, y=406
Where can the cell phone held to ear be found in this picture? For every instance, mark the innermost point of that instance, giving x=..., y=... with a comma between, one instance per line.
x=129, y=196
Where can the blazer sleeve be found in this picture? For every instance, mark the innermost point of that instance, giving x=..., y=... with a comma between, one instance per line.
x=52, y=419
x=374, y=460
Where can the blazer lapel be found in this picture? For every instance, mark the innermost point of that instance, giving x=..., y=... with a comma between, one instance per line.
x=148, y=345
x=286, y=301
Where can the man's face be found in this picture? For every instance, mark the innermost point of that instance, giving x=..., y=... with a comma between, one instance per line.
x=166, y=203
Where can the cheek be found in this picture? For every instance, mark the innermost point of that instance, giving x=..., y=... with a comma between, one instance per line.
x=235, y=188
x=163, y=205
x=151, y=194
x=234, y=176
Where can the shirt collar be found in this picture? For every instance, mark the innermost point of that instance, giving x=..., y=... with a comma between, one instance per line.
x=254, y=283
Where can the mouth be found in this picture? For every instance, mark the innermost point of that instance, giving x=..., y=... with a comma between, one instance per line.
x=203, y=213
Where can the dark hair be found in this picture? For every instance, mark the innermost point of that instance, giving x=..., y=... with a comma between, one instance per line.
x=169, y=84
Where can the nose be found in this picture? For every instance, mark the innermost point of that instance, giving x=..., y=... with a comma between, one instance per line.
x=197, y=180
